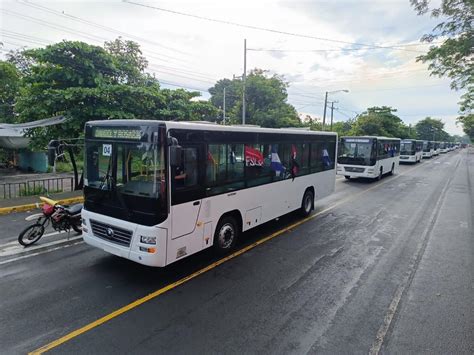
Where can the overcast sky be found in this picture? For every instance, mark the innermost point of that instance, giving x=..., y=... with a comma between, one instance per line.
x=194, y=53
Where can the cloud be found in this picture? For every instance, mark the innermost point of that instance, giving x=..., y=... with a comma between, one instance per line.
x=196, y=52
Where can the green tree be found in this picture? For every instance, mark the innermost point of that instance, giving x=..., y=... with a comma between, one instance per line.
x=182, y=105
x=22, y=63
x=266, y=100
x=129, y=61
x=380, y=121
x=233, y=93
x=431, y=129
x=453, y=58
x=343, y=128
x=9, y=86
x=468, y=125
x=81, y=82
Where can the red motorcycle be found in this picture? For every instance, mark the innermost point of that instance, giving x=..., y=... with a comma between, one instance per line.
x=62, y=218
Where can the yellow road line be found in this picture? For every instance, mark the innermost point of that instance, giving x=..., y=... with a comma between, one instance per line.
x=32, y=206
x=195, y=274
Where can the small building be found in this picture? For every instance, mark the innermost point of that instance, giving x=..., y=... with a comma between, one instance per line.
x=13, y=140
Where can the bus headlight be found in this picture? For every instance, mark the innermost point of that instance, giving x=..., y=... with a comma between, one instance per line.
x=147, y=240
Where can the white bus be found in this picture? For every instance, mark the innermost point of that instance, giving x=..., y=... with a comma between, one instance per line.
x=368, y=156
x=428, y=149
x=443, y=147
x=411, y=151
x=156, y=192
x=436, y=149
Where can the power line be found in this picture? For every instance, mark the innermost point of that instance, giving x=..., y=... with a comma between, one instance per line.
x=342, y=113
x=294, y=34
x=399, y=88
x=61, y=28
x=329, y=50
x=103, y=27
x=50, y=25
x=151, y=66
x=182, y=86
x=12, y=34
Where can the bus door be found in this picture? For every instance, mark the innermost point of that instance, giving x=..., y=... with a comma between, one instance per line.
x=186, y=192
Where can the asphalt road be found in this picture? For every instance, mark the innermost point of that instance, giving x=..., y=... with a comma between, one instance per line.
x=384, y=267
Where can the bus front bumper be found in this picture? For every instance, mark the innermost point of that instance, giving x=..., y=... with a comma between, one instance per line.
x=354, y=172
x=407, y=159
x=146, y=254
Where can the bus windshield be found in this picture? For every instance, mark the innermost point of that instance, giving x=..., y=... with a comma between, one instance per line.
x=407, y=148
x=126, y=179
x=356, y=151
x=129, y=168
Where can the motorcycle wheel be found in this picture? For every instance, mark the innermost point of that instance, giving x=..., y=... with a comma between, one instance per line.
x=31, y=234
x=77, y=228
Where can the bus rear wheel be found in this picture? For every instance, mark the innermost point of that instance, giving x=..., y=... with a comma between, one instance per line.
x=307, y=203
x=347, y=177
x=226, y=235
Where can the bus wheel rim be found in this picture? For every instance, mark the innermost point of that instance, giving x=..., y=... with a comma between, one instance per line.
x=226, y=236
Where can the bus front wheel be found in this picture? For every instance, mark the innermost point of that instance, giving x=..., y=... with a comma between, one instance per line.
x=227, y=233
x=393, y=169
x=307, y=203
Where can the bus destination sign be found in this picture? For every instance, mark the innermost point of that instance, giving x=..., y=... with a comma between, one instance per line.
x=356, y=140
x=117, y=133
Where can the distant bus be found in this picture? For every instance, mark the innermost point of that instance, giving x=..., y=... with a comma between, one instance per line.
x=443, y=147
x=428, y=149
x=411, y=151
x=436, y=148
x=368, y=156
x=156, y=192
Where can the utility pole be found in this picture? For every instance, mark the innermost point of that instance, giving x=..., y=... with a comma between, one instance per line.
x=244, y=77
x=223, y=118
x=332, y=112
x=324, y=114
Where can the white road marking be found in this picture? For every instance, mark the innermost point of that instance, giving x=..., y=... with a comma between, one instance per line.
x=14, y=247
x=42, y=252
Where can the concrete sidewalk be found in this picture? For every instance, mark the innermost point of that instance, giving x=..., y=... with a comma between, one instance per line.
x=30, y=202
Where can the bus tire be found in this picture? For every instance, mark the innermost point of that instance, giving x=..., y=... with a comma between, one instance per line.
x=226, y=235
x=380, y=174
x=393, y=169
x=347, y=177
x=307, y=203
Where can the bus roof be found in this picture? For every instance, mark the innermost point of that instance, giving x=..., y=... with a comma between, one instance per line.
x=372, y=137
x=208, y=126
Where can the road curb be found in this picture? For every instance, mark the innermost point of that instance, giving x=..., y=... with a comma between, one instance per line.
x=31, y=206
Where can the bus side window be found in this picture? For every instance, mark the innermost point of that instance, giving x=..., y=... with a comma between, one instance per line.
x=316, y=153
x=186, y=174
x=381, y=151
x=328, y=153
x=224, y=168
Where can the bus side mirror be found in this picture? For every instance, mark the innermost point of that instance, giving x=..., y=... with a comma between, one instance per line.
x=52, y=149
x=175, y=155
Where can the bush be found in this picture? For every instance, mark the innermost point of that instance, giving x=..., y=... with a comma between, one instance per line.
x=37, y=190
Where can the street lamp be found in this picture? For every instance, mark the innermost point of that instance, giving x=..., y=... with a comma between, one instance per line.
x=326, y=103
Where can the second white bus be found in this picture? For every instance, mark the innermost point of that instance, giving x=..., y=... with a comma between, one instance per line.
x=411, y=151
x=368, y=156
